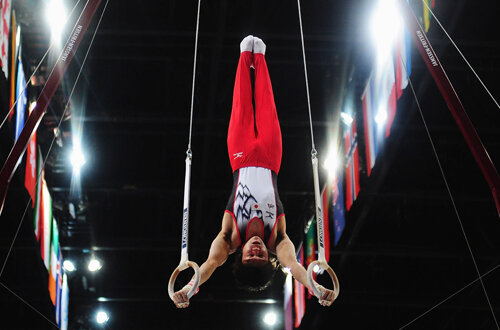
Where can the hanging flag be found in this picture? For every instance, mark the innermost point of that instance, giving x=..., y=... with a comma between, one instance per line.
x=310, y=247
x=64, y=303
x=371, y=128
x=54, y=251
x=287, y=302
x=31, y=174
x=59, y=285
x=299, y=293
x=36, y=187
x=22, y=99
x=403, y=60
x=387, y=94
x=426, y=14
x=351, y=163
x=4, y=36
x=325, y=198
x=16, y=33
x=46, y=224
x=338, y=209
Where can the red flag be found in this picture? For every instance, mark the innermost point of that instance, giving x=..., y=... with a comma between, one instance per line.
x=326, y=229
x=352, y=164
x=299, y=294
x=30, y=175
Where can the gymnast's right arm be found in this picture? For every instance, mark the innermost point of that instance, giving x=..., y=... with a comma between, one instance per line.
x=219, y=251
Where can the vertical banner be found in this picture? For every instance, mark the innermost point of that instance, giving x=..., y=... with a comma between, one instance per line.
x=370, y=125
x=351, y=163
x=59, y=286
x=403, y=60
x=16, y=33
x=46, y=224
x=36, y=186
x=299, y=293
x=287, y=302
x=4, y=36
x=325, y=203
x=64, y=303
x=310, y=247
x=22, y=99
x=30, y=176
x=54, y=252
x=338, y=210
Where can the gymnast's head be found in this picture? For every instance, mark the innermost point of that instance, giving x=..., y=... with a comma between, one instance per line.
x=253, y=267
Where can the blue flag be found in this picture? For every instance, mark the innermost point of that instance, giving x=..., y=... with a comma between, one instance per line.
x=338, y=209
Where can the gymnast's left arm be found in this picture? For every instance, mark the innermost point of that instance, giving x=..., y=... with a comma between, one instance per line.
x=285, y=250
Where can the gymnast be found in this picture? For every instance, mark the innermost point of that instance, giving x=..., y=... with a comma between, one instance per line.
x=254, y=221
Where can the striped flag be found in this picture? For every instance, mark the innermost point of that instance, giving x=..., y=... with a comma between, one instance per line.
x=54, y=259
x=16, y=33
x=338, y=210
x=6, y=10
x=403, y=60
x=46, y=224
x=22, y=99
x=387, y=95
x=351, y=163
x=325, y=201
x=426, y=14
x=287, y=302
x=36, y=187
x=310, y=246
x=64, y=303
x=59, y=286
x=371, y=136
x=30, y=176
x=299, y=293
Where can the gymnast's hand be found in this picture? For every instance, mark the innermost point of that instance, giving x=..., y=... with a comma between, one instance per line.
x=327, y=296
x=181, y=299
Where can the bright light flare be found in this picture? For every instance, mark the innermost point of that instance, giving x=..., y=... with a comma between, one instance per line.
x=331, y=163
x=56, y=17
x=94, y=265
x=102, y=317
x=346, y=118
x=69, y=266
x=77, y=157
x=386, y=24
x=270, y=318
x=381, y=116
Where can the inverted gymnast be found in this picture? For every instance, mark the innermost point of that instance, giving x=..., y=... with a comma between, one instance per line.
x=254, y=218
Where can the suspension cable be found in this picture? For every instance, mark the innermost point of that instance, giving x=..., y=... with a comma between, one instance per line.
x=313, y=147
x=194, y=78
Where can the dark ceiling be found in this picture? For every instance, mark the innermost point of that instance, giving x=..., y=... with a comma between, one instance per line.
x=403, y=251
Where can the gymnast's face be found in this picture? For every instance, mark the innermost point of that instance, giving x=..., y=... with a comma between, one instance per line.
x=254, y=252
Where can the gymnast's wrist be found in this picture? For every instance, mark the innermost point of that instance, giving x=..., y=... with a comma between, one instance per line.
x=190, y=285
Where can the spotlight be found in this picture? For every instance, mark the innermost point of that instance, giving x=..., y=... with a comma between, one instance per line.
x=77, y=158
x=56, y=16
x=270, y=318
x=94, y=265
x=346, y=118
x=331, y=163
x=69, y=266
x=102, y=317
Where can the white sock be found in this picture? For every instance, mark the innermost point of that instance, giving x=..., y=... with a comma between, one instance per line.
x=259, y=47
x=246, y=44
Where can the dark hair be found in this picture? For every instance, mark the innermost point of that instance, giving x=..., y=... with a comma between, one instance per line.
x=254, y=278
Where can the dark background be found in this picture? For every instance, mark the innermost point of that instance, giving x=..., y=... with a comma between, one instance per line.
x=403, y=250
